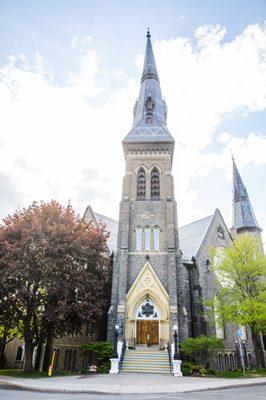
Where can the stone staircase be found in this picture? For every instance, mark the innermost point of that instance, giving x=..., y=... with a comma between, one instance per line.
x=149, y=360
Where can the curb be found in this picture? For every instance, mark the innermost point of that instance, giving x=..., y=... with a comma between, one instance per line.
x=15, y=386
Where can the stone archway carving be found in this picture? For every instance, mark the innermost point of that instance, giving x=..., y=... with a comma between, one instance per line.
x=146, y=284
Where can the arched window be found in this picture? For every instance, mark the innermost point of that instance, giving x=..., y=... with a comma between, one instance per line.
x=74, y=361
x=138, y=238
x=221, y=366
x=66, y=360
x=156, y=238
x=147, y=238
x=236, y=361
x=155, y=183
x=141, y=183
x=250, y=364
x=231, y=362
x=69, y=361
x=56, y=360
x=226, y=362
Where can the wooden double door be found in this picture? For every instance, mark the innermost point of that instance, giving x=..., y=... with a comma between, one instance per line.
x=148, y=332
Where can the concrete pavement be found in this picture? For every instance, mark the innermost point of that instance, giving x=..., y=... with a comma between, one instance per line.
x=247, y=393
x=127, y=383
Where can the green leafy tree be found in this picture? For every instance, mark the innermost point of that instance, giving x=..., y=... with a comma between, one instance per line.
x=241, y=299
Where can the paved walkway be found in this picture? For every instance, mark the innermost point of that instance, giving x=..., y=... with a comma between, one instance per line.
x=127, y=383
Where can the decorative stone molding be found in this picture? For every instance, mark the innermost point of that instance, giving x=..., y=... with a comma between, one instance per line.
x=114, y=366
x=177, y=368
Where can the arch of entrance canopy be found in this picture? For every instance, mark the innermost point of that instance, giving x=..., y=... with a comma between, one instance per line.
x=147, y=284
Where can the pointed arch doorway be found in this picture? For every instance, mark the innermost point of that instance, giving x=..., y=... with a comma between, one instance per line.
x=147, y=310
x=147, y=321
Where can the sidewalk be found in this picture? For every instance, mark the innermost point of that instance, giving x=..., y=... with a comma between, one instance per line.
x=126, y=383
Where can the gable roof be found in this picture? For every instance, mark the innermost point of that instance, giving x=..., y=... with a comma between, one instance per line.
x=192, y=235
x=111, y=226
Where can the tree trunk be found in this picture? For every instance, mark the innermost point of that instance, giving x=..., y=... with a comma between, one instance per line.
x=2, y=351
x=258, y=349
x=48, y=349
x=38, y=356
x=28, y=366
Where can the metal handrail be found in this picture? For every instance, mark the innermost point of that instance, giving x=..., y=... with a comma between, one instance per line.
x=122, y=354
x=169, y=354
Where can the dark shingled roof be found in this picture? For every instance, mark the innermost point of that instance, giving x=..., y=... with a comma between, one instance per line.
x=191, y=236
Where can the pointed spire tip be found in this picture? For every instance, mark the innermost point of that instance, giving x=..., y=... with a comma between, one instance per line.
x=148, y=33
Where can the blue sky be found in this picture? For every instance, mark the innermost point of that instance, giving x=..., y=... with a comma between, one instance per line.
x=69, y=76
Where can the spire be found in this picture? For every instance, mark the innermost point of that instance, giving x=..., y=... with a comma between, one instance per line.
x=150, y=111
x=149, y=68
x=243, y=214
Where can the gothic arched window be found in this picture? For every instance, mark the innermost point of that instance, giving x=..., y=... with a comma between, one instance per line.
x=156, y=238
x=147, y=238
x=141, y=183
x=155, y=183
x=138, y=238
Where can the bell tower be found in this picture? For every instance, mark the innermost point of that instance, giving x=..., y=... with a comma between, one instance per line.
x=147, y=297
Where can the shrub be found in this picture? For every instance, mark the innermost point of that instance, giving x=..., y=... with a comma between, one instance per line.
x=202, y=372
x=186, y=364
x=186, y=371
x=210, y=371
x=104, y=368
x=191, y=345
x=103, y=351
x=196, y=367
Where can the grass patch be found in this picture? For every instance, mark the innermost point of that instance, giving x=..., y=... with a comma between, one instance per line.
x=18, y=373
x=256, y=373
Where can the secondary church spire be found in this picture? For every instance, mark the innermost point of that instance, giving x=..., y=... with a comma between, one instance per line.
x=243, y=215
x=150, y=110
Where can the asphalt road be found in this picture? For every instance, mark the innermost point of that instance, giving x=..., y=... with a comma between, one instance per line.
x=246, y=393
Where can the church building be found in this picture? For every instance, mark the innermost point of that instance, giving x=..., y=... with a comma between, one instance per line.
x=161, y=273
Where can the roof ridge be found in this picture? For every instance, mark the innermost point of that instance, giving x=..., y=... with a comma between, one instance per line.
x=197, y=220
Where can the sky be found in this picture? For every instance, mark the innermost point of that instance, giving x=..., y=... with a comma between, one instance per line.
x=69, y=77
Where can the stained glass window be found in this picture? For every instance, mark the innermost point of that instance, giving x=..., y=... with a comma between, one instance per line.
x=156, y=238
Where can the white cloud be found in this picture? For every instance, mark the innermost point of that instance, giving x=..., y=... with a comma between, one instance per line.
x=74, y=41
x=209, y=35
x=82, y=42
x=84, y=80
x=55, y=137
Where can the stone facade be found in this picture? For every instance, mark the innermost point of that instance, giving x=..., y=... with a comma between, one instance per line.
x=148, y=149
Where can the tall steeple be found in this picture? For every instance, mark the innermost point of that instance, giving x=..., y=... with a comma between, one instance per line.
x=150, y=110
x=243, y=215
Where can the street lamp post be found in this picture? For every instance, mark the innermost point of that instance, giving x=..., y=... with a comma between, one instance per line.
x=176, y=359
x=115, y=360
x=190, y=266
x=176, y=354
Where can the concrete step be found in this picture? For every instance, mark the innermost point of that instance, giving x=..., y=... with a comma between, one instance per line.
x=146, y=361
